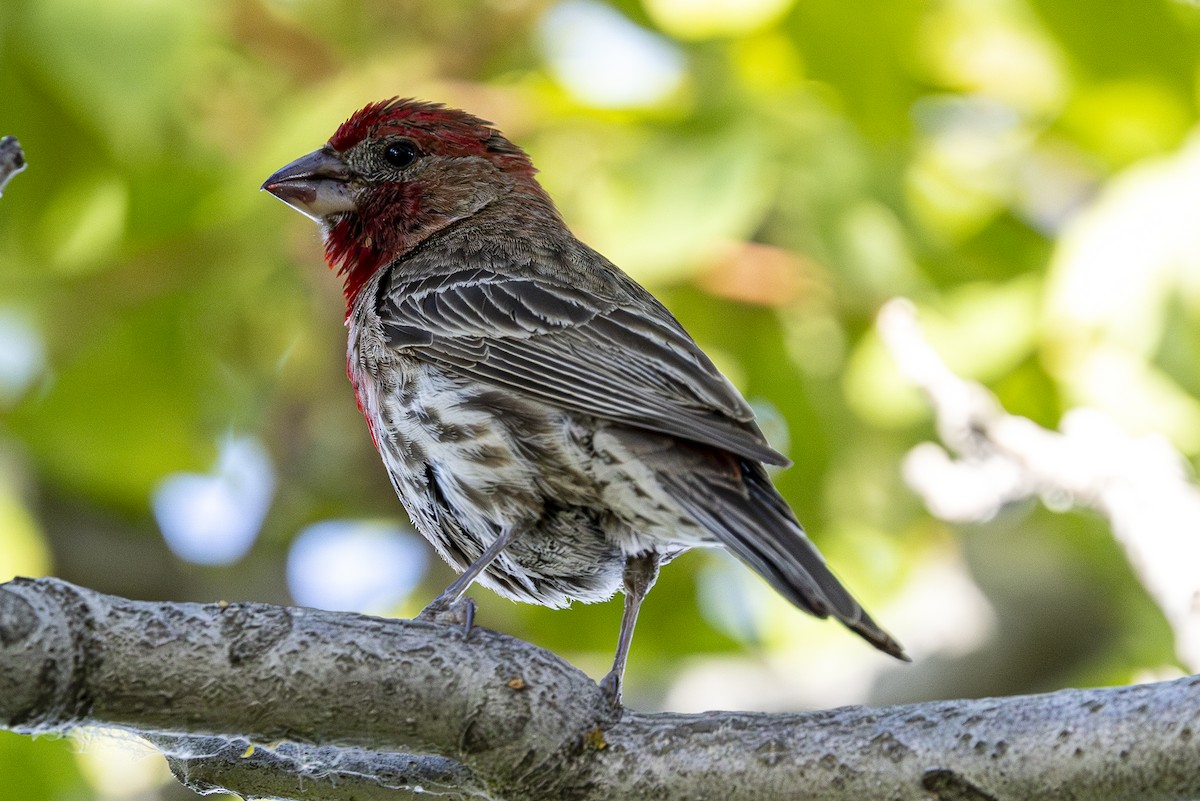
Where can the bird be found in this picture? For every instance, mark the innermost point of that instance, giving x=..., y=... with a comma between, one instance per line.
x=548, y=425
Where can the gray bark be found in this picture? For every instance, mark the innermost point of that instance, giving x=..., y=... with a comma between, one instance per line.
x=12, y=160
x=342, y=706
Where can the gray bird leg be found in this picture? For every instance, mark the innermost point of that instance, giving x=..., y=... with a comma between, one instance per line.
x=641, y=571
x=449, y=600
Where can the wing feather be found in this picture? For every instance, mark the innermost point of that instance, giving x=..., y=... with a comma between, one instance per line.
x=616, y=355
x=751, y=519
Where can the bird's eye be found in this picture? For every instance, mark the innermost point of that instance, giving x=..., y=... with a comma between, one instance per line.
x=400, y=154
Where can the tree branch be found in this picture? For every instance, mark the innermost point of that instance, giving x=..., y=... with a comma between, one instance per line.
x=293, y=770
x=368, y=708
x=12, y=160
x=1140, y=484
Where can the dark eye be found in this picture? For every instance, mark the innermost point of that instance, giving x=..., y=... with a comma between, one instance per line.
x=400, y=154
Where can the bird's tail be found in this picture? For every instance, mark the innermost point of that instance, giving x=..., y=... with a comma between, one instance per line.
x=749, y=517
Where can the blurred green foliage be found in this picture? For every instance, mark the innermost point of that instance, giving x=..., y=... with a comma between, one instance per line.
x=1025, y=170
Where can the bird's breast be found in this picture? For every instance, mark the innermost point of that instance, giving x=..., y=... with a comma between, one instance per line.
x=492, y=451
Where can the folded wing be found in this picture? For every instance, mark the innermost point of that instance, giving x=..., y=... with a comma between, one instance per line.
x=624, y=359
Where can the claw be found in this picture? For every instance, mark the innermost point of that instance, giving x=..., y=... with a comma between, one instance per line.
x=453, y=613
x=610, y=685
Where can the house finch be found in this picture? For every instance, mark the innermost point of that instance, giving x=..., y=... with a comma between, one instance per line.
x=548, y=425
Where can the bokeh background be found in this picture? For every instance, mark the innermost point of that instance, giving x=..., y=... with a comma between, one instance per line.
x=175, y=422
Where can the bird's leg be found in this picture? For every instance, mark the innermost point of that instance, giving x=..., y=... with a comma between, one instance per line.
x=451, y=597
x=641, y=571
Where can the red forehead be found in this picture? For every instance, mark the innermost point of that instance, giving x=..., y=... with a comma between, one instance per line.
x=435, y=128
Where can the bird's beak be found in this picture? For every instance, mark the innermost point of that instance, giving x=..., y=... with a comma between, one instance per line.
x=316, y=185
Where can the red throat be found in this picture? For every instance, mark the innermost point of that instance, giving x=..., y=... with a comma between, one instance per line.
x=360, y=244
x=351, y=252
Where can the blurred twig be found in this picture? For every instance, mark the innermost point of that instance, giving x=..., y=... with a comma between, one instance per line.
x=12, y=160
x=270, y=702
x=1141, y=484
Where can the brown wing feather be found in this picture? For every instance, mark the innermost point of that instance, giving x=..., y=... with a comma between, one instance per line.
x=624, y=359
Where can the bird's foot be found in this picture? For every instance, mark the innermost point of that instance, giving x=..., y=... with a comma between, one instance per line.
x=451, y=612
x=610, y=686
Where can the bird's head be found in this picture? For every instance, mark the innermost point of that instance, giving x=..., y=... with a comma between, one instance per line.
x=394, y=173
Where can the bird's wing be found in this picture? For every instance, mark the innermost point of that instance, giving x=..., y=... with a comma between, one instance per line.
x=753, y=521
x=615, y=354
